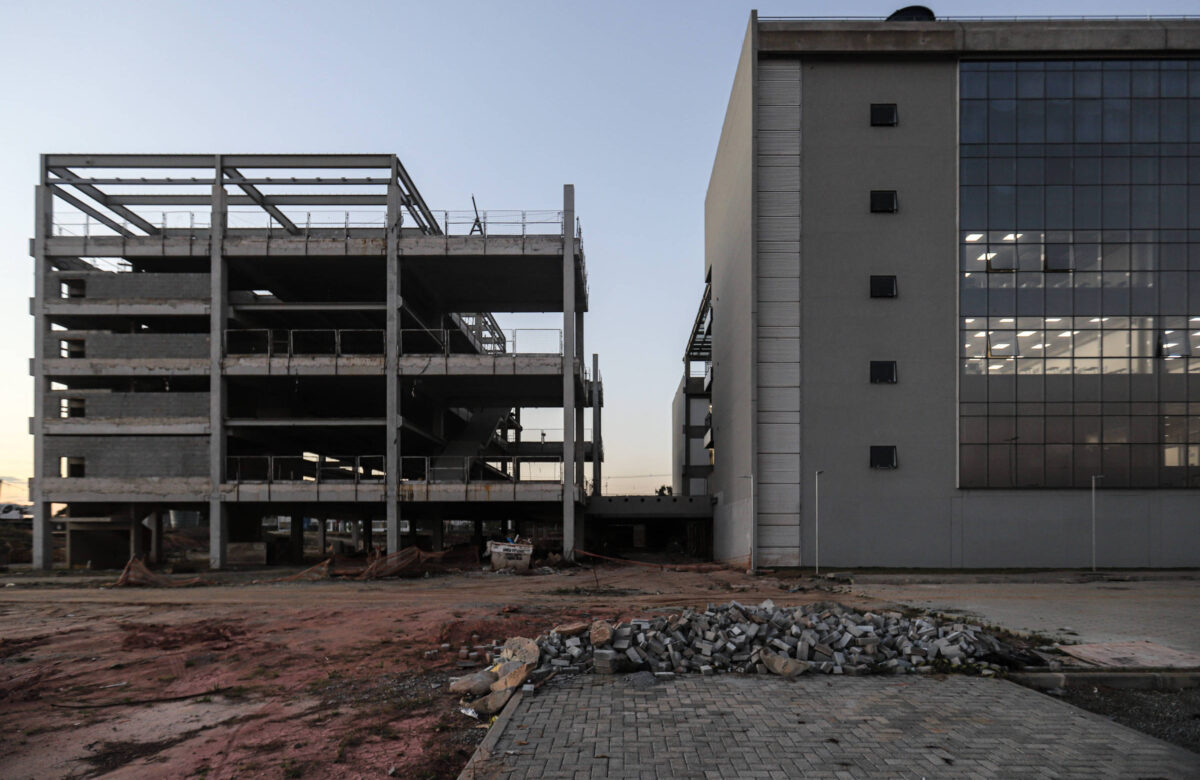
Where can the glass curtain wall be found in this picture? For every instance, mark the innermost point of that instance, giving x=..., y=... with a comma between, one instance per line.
x=1079, y=273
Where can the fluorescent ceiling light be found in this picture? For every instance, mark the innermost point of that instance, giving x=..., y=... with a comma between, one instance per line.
x=974, y=236
x=1054, y=319
x=1025, y=333
x=1013, y=236
x=987, y=256
x=1006, y=346
x=1008, y=319
x=1064, y=334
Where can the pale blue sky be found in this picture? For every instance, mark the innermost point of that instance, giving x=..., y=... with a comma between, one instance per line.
x=504, y=100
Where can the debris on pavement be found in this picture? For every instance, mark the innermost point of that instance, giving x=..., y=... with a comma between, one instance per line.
x=767, y=639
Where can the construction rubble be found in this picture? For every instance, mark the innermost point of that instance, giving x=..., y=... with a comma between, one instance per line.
x=763, y=639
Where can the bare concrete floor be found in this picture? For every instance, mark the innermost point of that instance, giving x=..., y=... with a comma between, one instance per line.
x=1162, y=611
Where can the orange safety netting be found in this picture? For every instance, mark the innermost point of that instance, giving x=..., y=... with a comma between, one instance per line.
x=136, y=573
x=311, y=574
x=393, y=564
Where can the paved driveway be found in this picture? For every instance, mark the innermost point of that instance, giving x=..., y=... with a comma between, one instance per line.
x=1160, y=611
x=735, y=726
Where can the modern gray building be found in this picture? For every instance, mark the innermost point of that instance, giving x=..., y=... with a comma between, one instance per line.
x=254, y=336
x=954, y=270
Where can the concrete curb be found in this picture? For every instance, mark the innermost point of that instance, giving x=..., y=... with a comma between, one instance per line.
x=1130, y=679
x=478, y=765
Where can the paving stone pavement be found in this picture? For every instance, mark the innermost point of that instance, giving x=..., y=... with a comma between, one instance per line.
x=737, y=726
x=1163, y=612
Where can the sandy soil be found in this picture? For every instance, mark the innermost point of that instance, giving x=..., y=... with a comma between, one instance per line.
x=324, y=679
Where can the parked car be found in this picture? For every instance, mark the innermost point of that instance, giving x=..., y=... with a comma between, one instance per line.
x=14, y=512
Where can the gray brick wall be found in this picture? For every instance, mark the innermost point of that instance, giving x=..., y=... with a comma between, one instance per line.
x=135, y=286
x=113, y=405
x=130, y=456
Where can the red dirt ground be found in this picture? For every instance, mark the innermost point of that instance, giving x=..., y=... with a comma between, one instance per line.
x=313, y=680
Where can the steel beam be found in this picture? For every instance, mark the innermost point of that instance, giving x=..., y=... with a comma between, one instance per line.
x=128, y=161
x=416, y=203
x=171, y=199
x=103, y=199
x=86, y=208
x=262, y=201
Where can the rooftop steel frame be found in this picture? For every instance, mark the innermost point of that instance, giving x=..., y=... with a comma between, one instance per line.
x=103, y=186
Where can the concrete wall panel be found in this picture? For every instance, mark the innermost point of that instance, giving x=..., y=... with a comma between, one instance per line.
x=729, y=225
x=130, y=456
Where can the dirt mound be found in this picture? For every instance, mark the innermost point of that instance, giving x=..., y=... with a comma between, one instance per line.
x=459, y=632
x=142, y=636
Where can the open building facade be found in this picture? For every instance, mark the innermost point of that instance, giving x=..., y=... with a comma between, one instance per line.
x=953, y=283
x=253, y=336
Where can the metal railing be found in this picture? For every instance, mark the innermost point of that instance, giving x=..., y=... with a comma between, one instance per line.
x=348, y=342
x=473, y=469
x=522, y=341
x=317, y=222
x=351, y=342
x=543, y=435
x=506, y=223
x=337, y=469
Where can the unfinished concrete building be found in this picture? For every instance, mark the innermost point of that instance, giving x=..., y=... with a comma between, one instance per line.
x=252, y=336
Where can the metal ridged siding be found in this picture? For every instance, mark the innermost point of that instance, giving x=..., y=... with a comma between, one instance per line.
x=778, y=305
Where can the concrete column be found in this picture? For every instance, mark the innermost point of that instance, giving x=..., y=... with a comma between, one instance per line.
x=137, y=534
x=392, y=360
x=156, y=538
x=42, y=536
x=296, y=538
x=580, y=470
x=568, y=372
x=321, y=540
x=218, y=520
x=368, y=532
x=597, y=438
x=356, y=534
x=437, y=533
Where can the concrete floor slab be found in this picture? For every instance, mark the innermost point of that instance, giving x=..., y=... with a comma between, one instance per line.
x=1159, y=611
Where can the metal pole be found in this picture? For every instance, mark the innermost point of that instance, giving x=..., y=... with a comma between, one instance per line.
x=753, y=529
x=1094, y=478
x=817, y=524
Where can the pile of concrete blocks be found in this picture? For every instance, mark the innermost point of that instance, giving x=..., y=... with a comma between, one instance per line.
x=765, y=639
